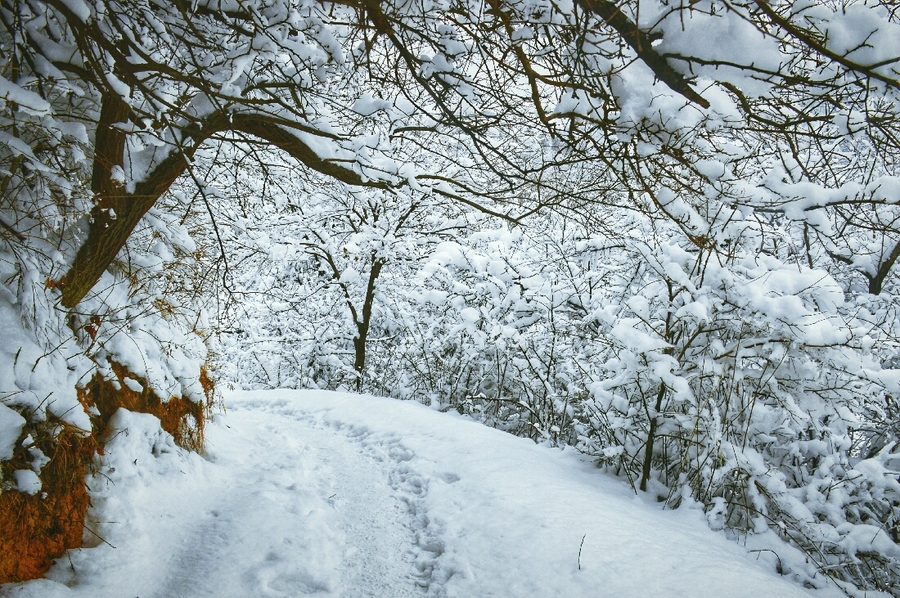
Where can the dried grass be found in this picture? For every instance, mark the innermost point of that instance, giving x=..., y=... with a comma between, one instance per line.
x=37, y=529
x=181, y=418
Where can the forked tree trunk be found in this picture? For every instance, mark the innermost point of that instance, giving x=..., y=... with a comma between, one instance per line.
x=876, y=283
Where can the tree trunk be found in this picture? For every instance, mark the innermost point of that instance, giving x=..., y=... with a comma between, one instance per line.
x=362, y=325
x=651, y=438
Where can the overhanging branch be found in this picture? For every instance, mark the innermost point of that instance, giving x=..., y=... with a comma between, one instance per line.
x=642, y=44
x=117, y=215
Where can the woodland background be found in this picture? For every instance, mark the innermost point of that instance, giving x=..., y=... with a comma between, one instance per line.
x=664, y=232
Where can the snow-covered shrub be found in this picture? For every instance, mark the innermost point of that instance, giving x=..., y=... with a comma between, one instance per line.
x=745, y=387
x=321, y=275
x=492, y=335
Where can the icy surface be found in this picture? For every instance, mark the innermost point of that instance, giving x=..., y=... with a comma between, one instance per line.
x=315, y=493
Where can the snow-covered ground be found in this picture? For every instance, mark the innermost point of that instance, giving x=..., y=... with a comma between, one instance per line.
x=315, y=493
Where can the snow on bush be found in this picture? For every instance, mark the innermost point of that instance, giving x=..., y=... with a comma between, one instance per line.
x=753, y=387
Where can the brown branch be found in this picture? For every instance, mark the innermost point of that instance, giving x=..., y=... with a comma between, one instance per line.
x=526, y=65
x=109, y=145
x=8, y=228
x=265, y=128
x=108, y=233
x=117, y=214
x=642, y=44
x=877, y=282
x=808, y=39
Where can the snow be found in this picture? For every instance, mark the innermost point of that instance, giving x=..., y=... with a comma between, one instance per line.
x=724, y=38
x=27, y=481
x=367, y=105
x=632, y=338
x=11, y=424
x=26, y=100
x=309, y=492
x=34, y=380
x=78, y=8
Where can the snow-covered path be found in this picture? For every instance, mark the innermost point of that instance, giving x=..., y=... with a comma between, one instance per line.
x=313, y=493
x=296, y=510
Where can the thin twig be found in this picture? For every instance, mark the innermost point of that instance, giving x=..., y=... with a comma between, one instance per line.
x=99, y=537
x=579, y=551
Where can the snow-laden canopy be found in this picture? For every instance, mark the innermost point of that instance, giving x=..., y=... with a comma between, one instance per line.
x=663, y=231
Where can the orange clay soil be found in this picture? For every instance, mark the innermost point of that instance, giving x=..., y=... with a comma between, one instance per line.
x=37, y=529
x=179, y=417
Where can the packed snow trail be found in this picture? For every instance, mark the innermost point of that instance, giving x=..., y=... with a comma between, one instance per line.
x=331, y=495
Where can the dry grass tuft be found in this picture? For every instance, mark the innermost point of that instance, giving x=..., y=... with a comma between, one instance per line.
x=37, y=529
